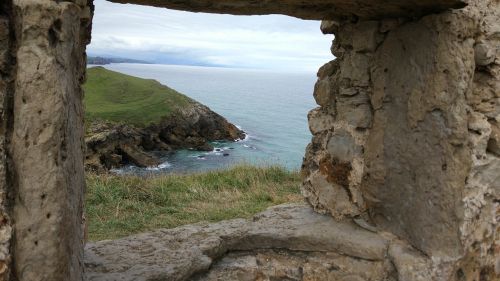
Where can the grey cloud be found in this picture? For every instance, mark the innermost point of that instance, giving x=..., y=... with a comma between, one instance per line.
x=167, y=36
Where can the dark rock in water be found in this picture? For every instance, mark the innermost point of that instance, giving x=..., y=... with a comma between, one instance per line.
x=226, y=154
x=201, y=156
x=138, y=157
x=205, y=147
x=111, y=160
x=218, y=150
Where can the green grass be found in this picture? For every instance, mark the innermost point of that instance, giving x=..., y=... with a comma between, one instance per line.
x=116, y=97
x=118, y=206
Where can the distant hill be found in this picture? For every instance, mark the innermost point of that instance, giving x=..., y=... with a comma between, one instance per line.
x=104, y=60
x=116, y=97
x=127, y=118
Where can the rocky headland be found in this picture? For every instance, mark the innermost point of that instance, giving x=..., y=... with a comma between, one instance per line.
x=98, y=60
x=116, y=136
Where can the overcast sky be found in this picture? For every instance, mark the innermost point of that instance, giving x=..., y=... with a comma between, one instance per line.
x=176, y=37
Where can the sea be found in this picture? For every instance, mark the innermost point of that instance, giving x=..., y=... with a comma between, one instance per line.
x=269, y=106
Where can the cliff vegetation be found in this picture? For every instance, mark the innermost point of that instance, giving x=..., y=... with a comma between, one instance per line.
x=117, y=206
x=120, y=98
x=132, y=121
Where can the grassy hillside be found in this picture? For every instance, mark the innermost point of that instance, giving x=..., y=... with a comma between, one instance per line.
x=116, y=97
x=118, y=206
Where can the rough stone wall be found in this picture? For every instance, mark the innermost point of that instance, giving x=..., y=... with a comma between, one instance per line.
x=480, y=228
x=406, y=138
x=287, y=242
x=5, y=102
x=42, y=64
x=309, y=9
x=406, y=135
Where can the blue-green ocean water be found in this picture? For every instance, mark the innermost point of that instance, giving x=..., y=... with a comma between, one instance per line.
x=270, y=107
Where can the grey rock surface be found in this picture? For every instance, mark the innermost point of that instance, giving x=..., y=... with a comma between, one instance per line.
x=296, y=266
x=413, y=145
x=415, y=84
x=46, y=138
x=183, y=252
x=312, y=9
x=5, y=107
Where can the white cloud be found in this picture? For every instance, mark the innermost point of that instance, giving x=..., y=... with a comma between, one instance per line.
x=271, y=42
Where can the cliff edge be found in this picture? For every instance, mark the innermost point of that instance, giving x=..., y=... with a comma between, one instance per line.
x=130, y=119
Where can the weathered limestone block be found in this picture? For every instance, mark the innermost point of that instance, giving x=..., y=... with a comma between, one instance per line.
x=389, y=24
x=425, y=165
x=327, y=69
x=47, y=139
x=355, y=68
x=4, y=40
x=417, y=138
x=5, y=97
x=484, y=53
x=406, y=138
x=286, y=242
x=480, y=130
x=330, y=196
x=333, y=169
x=311, y=9
x=354, y=108
x=485, y=96
x=343, y=146
x=177, y=254
x=320, y=120
x=288, y=265
x=329, y=26
x=323, y=92
x=480, y=231
x=410, y=264
x=366, y=36
x=494, y=141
